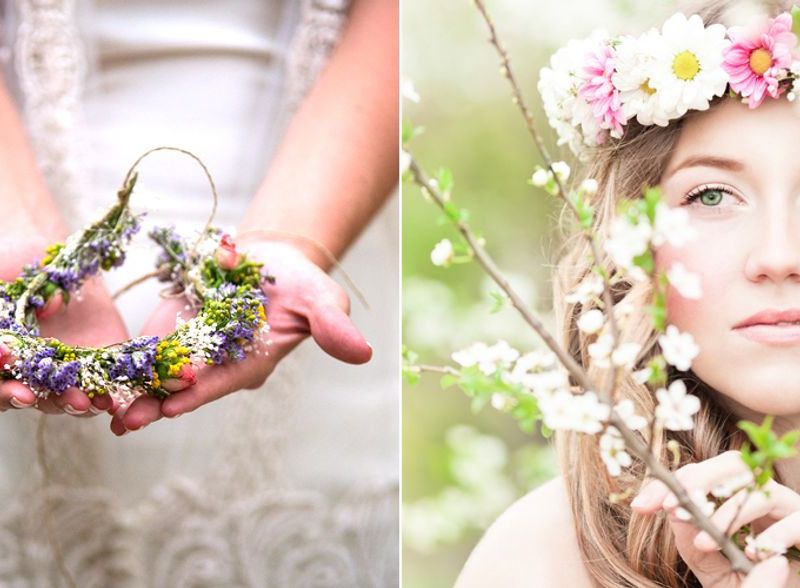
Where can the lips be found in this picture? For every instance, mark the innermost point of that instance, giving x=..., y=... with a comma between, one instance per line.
x=771, y=317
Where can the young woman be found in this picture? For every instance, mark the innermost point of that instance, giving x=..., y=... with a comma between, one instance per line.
x=731, y=164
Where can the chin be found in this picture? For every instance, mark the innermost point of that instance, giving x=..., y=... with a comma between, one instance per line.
x=762, y=391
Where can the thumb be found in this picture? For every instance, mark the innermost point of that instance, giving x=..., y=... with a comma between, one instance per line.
x=770, y=572
x=336, y=334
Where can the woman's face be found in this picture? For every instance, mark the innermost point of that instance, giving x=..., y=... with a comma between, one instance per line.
x=745, y=164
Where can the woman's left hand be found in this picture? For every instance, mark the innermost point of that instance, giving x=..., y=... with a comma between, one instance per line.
x=774, y=517
x=303, y=301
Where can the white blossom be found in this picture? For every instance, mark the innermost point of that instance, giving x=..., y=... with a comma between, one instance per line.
x=591, y=286
x=561, y=169
x=614, y=452
x=763, y=547
x=600, y=350
x=686, y=283
x=442, y=253
x=540, y=177
x=676, y=407
x=589, y=186
x=408, y=91
x=591, y=321
x=679, y=349
x=672, y=226
x=405, y=161
x=626, y=411
x=487, y=358
x=627, y=241
x=701, y=500
x=625, y=355
x=583, y=413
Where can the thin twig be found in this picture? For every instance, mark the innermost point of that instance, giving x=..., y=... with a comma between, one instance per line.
x=519, y=100
x=438, y=369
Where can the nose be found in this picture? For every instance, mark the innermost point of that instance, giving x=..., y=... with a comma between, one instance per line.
x=776, y=255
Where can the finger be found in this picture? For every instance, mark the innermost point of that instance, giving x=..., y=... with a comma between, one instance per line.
x=745, y=507
x=15, y=395
x=142, y=411
x=770, y=572
x=212, y=384
x=709, y=566
x=73, y=401
x=654, y=493
x=102, y=402
x=336, y=334
x=785, y=532
x=708, y=474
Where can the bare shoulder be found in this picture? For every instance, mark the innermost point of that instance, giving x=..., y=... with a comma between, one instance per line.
x=531, y=544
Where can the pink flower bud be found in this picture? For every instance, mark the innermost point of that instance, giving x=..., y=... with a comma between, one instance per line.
x=7, y=356
x=226, y=255
x=186, y=377
x=52, y=306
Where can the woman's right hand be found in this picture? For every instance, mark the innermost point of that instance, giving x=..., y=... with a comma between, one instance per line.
x=90, y=320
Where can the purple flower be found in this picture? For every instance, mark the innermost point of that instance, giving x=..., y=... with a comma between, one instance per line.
x=43, y=372
x=135, y=360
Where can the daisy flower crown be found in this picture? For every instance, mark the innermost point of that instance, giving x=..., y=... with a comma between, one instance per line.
x=595, y=86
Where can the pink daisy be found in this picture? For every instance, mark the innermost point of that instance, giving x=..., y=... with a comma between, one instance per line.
x=755, y=61
x=599, y=92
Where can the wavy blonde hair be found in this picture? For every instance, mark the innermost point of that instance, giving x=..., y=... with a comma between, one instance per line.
x=619, y=547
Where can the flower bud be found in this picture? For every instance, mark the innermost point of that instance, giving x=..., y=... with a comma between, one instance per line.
x=540, y=177
x=589, y=186
x=226, y=255
x=186, y=377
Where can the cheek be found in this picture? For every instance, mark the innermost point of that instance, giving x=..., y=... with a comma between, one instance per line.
x=715, y=268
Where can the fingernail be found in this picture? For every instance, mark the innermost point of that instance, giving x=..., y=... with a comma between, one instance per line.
x=16, y=403
x=704, y=540
x=643, y=498
x=69, y=409
x=94, y=410
x=671, y=501
x=175, y=416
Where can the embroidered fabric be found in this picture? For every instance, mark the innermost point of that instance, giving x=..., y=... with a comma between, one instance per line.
x=240, y=520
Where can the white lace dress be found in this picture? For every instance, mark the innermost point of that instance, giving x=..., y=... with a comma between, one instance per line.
x=292, y=485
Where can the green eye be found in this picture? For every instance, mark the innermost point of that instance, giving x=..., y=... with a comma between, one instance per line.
x=710, y=197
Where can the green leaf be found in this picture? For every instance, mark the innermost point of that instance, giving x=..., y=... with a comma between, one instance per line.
x=444, y=177
x=410, y=131
x=645, y=261
x=796, y=20
x=452, y=211
x=499, y=301
x=448, y=380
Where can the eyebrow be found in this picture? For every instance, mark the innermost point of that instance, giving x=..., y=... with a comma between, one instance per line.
x=707, y=161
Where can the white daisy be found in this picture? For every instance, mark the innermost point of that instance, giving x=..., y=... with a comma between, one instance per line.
x=689, y=60
x=635, y=66
x=679, y=349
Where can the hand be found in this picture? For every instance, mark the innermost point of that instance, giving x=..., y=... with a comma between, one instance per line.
x=775, y=518
x=91, y=320
x=303, y=301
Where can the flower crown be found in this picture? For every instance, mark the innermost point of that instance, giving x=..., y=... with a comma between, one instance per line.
x=222, y=285
x=595, y=86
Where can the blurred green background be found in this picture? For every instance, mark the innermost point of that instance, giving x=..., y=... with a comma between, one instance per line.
x=461, y=470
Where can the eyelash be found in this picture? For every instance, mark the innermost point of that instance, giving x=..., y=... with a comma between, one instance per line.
x=699, y=191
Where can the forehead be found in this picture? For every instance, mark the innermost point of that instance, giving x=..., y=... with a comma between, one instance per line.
x=733, y=129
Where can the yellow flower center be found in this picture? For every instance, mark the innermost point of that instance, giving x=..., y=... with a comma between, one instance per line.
x=685, y=65
x=647, y=88
x=760, y=60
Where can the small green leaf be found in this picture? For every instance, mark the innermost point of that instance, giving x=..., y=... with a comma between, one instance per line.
x=796, y=20
x=444, y=177
x=410, y=131
x=499, y=301
x=448, y=380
